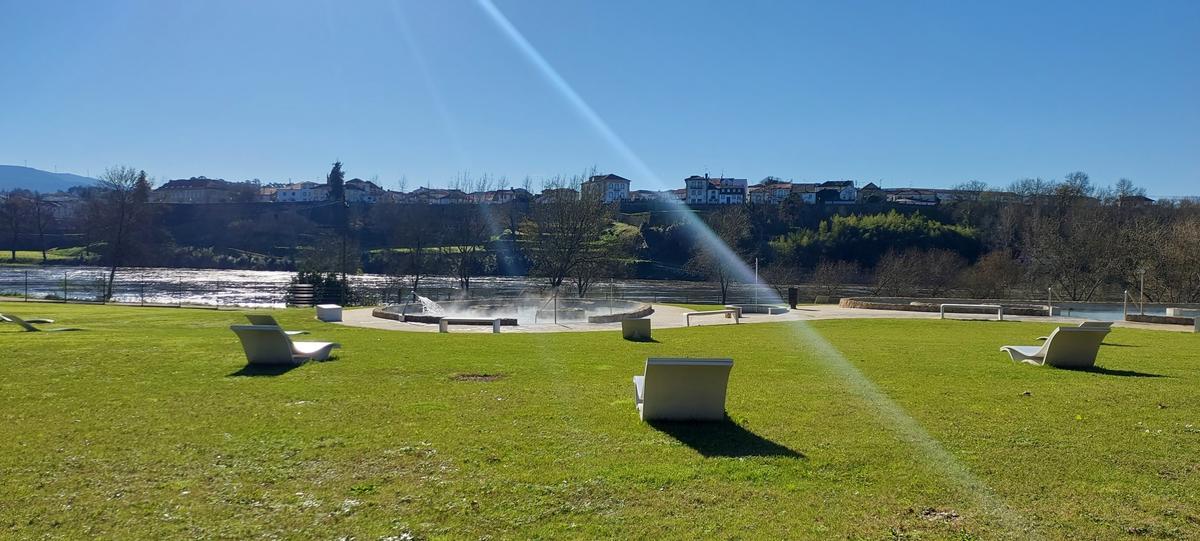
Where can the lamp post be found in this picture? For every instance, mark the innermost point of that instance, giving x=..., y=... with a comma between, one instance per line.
x=756, y=281
x=1142, y=290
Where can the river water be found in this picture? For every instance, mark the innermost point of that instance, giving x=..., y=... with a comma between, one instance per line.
x=223, y=287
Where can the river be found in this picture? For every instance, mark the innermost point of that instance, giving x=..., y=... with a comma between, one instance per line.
x=249, y=288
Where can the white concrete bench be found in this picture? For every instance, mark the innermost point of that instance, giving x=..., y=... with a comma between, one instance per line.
x=999, y=309
x=329, y=312
x=734, y=313
x=637, y=329
x=445, y=323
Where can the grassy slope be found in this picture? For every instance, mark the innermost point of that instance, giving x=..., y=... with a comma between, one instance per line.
x=142, y=427
x=35, y=256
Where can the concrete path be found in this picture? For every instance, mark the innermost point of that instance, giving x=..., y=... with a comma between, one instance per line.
x=666, y=317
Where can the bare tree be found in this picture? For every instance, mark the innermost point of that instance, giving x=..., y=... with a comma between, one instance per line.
x=907, y=272
x=119, y=212
x=829, y=275
x=992, y=276
x=607, y=257
x=464, y=242
x=562, y=234
x=719, y=259
x=414, y=237
x=13, y=210
x=1069, y=248
x=42, y=217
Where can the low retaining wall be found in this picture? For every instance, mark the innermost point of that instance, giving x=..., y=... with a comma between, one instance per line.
x=1167, y=320
x=641, y=311
x=933, y=305
x=758, y=308
x=627, y=310
x=419, y=318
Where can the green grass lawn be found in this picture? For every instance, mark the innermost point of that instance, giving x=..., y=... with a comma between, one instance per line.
x=147, y=425
x=26, y=257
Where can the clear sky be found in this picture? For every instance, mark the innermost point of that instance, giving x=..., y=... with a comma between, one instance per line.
x=903, y=93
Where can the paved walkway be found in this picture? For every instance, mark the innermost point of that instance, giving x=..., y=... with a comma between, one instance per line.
x=666, y=316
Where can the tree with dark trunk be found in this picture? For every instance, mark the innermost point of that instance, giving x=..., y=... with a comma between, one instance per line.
x=562, y=234
x=13, y=210
x=119, y=211
x=42, y=216
x=336, y=180
x=719, y=259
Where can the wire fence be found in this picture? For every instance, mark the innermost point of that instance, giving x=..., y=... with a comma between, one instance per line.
x=206, y=288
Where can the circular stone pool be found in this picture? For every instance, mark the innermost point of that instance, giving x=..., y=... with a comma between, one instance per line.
x=518, y=311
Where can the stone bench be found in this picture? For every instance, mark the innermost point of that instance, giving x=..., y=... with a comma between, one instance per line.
x=998, y=308
x=445, y=323
x=637, y=329
x=329, y=312
x=734, y=313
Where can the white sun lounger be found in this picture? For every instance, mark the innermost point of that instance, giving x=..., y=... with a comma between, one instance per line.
x=682, y=389
x=1089, y=325
x=9, y=318
x=38, y=320
x=266, y=319
x=267, y=344
x=1066, y=347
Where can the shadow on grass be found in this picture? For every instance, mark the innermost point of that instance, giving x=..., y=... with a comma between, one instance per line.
x=723, y=438
x=254, y=370
x=1119, y=373
x=643, y=340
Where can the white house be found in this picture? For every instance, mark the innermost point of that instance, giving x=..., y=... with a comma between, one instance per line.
x=770, y=192
x=364, y=191
x=608, y=188
x=301, y=192
x=703, y=190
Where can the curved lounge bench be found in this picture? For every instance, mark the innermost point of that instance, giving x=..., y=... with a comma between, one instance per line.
x=1066, y=347
x=267, y=319
x=267, y=344
x=682, y=389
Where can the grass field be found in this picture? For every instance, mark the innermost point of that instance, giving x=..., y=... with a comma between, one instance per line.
x=148, y=425
x=27, y=257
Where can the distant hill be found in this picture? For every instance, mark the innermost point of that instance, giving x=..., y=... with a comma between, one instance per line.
x=15, y=176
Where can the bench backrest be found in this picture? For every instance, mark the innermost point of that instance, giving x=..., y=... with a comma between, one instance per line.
x=1074, y=347
x=264, y=344
x=262, y=319
x=685, y=389
x=21, y=322
x=1096, y=325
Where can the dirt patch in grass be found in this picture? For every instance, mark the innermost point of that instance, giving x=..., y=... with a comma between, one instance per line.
x=940, y=515
x=476, y=377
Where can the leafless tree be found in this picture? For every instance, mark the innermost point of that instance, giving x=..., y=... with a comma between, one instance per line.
x=119, y=211
x=464, y=242
x=563, y=234
x=1073, y=248
x=908, y=272
x=13, y=210
x=719, y=259
x=992, y=276
x=414, y=237
x=830, y=275
x=43, y=216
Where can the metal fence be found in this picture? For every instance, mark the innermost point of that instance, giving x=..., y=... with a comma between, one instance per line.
x=167, y=287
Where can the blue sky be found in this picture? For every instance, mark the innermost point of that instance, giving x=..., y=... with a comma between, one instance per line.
x=903, y=93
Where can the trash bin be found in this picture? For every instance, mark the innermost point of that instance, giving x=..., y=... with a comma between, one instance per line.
x=793, y=297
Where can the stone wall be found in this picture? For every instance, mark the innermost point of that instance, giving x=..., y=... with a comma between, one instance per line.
x=1169, y=320
x=932, y=305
